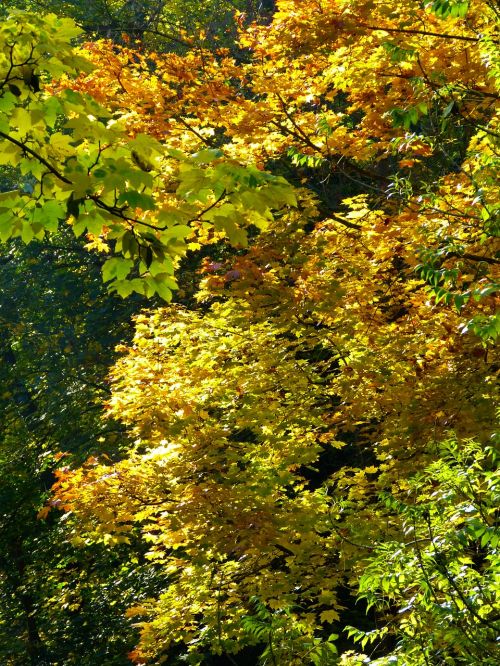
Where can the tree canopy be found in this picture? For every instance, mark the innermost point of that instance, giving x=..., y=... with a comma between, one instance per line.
x=270, y=437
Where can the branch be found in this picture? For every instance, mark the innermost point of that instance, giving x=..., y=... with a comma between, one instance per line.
x=476, y=257
x=38, y=157
x=351, y=225
x=213, y=205
x=409, y=31
x=183, y=122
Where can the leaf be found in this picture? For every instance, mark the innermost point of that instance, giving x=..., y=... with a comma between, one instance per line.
x=123, y=287
x=206, y=156
x=61, y=143
x=10, y=154
x=137, y=200
x=21, y=119
x=43, y=513
x=116, y=267
x=7, y=102
x=448, y=109
x=52, y=109
x=49, y=215
x=163, y=290
x=27, y=233
x=329, y=616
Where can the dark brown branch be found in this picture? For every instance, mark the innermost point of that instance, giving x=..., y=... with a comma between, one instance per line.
x=409, y=31
x=476, y=257
x=38, y=157
x=298, y=129
x=183, y=122
x=351, y=225
x=204, y=212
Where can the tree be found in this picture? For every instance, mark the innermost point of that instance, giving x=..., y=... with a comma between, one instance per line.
x=390, y=124
x=144, y=197
x=59, y=329
x=165, y=25
x=232, y=409
x=339, y=348
x=442, y=577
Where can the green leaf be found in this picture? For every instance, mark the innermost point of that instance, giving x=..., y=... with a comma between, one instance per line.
x=116, y=267
x=50, y=214
x=9, y=153
x=137, y=200
x=52, y=109
x=27, y=233
x=207, y=155
x=179, y=232
x=450, y=8
x=167, y=280
x=61, y=144
x=164, y=291
x=123, y=287
x=21, y=119
x=8, y=102
x=448, y=109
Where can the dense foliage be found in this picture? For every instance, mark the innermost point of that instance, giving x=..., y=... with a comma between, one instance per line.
x=294, y=460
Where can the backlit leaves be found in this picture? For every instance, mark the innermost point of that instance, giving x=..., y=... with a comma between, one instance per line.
x=79, y=162
x=285, y=426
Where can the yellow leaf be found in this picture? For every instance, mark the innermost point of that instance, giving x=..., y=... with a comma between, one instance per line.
x=329, y=616
x=135, y=610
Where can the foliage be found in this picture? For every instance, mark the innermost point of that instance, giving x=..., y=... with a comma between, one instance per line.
x=228, y=466
x=238, y=411
x=442, y=578
x=136, y=194
x=317, y=418
x=59, y=329
x=365, y=101
x=157, y=23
